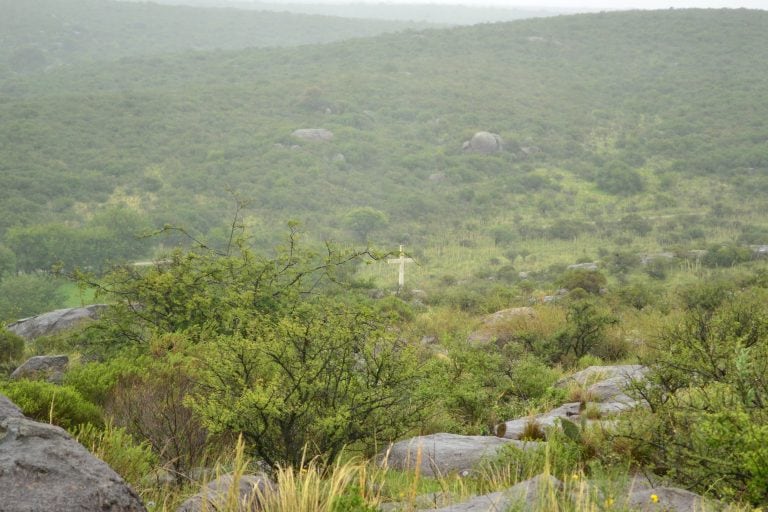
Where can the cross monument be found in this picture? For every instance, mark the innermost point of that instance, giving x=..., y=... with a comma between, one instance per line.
x=402, y=260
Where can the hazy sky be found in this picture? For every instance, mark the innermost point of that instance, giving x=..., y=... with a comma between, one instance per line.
x=574, y=4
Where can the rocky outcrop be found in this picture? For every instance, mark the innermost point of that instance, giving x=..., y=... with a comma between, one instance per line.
x=43, y=468
x=606, y=383
x=313, y=134
x=483, y=142
x=590, y=266
x=55, y=321
x=441, y=454
x=668, y=499
x=214, y=496
x=605, y=386
x=526, y=495
x=51, y=368
x=489, y=329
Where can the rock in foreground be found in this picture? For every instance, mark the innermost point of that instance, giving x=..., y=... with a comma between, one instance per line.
x=44, y=468
x=218, y=494
x=440, y=454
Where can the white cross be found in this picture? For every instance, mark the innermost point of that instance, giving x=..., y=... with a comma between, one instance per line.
x=402, y=260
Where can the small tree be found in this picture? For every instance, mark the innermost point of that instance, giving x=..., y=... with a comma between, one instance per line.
x=318, y=379
x=268, y=356
x=584, y=330
x=364, y=221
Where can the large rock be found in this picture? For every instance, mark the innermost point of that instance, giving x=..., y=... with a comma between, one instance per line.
x=215, y=495
x=483, y=142
x=527, y=495
x=440, y=454
x=604, y=385
x=51, y=368
x=492, y=326
x=55, y=321
x=514, y=429
x=668, y=499
x=313, y=134
x=607, y=383
x=43, y=468
x=594, y=374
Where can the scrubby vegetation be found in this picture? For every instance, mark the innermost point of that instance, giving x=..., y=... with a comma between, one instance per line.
x=620, y=222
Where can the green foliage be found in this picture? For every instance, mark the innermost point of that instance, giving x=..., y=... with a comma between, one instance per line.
x=588, y=280
x=398, y=130
x=584, y=331
x=726, y=255
x=130, y=459
x=112, y=236
x=152, y=405
x=708, y=393
x=26, y=295
x=7, y=262
x=111, y=32
x=60, y=405
x=364, y=221
x=316, y=379
x=11, y=346
x=560, y=455
x=352, y=501
x=270, y=359
x=95, y=380
x=619, y=179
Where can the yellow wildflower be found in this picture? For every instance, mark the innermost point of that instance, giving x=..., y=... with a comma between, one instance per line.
x=654, y=498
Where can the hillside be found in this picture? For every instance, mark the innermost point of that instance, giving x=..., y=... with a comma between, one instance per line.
x=431, y=13
x=652, y=114
x=37, y=35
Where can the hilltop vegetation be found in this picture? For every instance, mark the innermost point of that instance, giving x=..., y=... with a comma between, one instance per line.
x=38, y=35
x=647, y=125
x=432, y=13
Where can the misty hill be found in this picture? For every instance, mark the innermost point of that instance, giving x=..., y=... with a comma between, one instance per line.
x=612, y=124
x=40, y=34
x=432, y=13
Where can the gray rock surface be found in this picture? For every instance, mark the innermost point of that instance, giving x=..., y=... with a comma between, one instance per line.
x=488, y=330
x=592, y=266
x=313, y=134
x=44, y=468
x=54, y=322
x=605, y=385
x=670, y=499
x=595, y=374
x=213, y=497
x=51, y=368
x=514, y=428
x=440, y=454
x=523, y=496
x=483, y=142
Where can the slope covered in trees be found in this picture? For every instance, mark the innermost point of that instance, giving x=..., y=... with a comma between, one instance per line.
x=644, y=124
x=38, y=35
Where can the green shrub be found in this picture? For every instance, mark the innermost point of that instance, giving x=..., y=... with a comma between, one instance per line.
x=584, y=331
x=708, y=392
x=60, y=405
x=591, y=281
x=11, y=346
x=94, y=380
x=726, y=255
x=131, y=460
